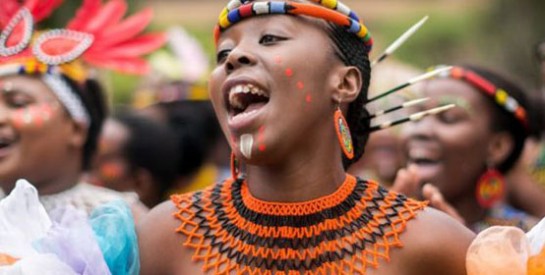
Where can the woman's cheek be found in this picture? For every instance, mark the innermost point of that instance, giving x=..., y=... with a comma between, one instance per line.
x=32, y=117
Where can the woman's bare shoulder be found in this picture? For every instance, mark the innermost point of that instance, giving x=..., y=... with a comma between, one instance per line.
x=434, y=243
x=161, y=247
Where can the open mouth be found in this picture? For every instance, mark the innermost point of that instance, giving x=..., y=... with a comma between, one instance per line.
x=422, y=157
x=245, y=99
x=429, y=163
x=6, y=143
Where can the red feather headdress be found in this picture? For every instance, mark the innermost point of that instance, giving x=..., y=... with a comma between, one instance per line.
x=98, y=35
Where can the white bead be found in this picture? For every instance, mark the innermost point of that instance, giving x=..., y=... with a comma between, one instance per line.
x=261, y=7
x=342, y=8
x=511, y=104
x=234, y=4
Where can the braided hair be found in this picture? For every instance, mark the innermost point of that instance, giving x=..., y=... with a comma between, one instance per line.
x=352, y=52
x=91, y=95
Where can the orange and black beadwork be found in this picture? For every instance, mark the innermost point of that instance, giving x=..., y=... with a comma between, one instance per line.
x=332, y=11
x=347, y=232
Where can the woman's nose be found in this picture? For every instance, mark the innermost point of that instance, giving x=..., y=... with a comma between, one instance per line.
x=239, y=58
x=423, y=128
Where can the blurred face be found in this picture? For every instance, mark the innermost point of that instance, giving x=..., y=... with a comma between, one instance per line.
x=35, y=132
x=271, y=88
x=383, y=157
x=450, y=149
x=110, y=167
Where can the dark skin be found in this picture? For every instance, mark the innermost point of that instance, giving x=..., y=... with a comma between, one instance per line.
x=295, y=166
x=112, y=170
x=451, y=150
x=432, y=244
x=38, y=147
x=384, y=157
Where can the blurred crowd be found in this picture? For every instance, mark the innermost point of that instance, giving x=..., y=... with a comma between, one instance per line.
x=168, y=141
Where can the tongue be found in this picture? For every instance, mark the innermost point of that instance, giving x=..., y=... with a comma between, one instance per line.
x=425, y=162
x=254, y=106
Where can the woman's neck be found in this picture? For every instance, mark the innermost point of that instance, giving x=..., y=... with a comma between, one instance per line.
x=296, y=180
x=67, y=181
x=70, y=175
x=468, y=207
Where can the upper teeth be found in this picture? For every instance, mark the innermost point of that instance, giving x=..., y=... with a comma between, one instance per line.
x=243, y=88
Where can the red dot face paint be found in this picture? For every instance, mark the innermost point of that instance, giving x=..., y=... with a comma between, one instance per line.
x=260, y=137
x=289, y=72
x=306, y=101
x=33, y=116
x=111, y=171
x=308, y=98
x=300, y=85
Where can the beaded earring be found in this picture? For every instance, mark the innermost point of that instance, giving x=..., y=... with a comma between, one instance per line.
x=490, y=188
x=343, y=134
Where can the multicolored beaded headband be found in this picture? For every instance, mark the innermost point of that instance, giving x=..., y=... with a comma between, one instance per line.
x=97, y=35
x=330, y=10
x=500, y=96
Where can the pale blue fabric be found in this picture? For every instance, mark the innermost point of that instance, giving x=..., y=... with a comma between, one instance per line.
x=114, y=229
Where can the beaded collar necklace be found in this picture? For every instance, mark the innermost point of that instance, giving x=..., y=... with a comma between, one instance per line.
x=348, y=231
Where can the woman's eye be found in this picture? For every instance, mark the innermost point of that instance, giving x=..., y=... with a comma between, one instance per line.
x=222, y=55
x=269, y=39
x=449, y=117
x=17, y=101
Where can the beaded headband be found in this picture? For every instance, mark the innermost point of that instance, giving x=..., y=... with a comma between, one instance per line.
x=97, y=35
x=51, y=76
x=330, y=10
x=499, y=95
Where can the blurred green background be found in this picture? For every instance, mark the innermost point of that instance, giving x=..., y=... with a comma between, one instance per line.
x=501, y=34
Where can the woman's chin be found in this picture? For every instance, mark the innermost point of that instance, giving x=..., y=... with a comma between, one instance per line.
x=429, y=173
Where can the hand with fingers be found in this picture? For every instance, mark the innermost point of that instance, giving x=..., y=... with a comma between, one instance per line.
x=431, y=193
x=408, y=183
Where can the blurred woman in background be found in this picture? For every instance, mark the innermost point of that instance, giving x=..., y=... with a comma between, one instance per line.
x=51, y=114
x=137, y=154
x=465, y=151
